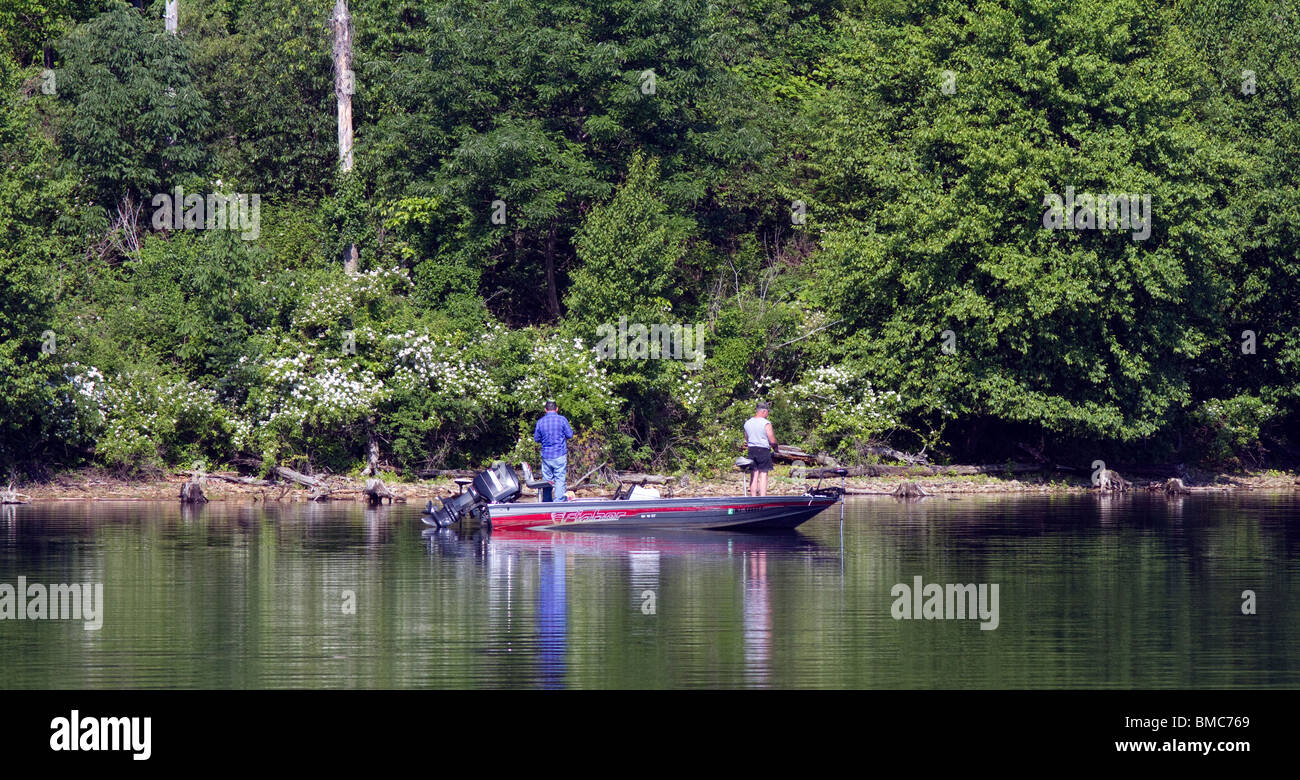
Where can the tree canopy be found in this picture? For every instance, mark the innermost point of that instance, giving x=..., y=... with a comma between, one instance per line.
x=981, y=227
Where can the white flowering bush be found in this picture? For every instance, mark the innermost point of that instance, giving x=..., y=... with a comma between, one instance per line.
x=1228, y=431
x=567, y=370
x=307, y=393
x=428, y=364
x=689, y=390
x=840, y=409
x=342, y=297
x=144, y=420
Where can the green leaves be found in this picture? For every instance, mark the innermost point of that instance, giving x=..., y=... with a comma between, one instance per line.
x=1086, y=333
x=529, y=170
x=628, y=250
x=135, y=119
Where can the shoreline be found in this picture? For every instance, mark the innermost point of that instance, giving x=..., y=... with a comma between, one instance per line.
x=93, y=485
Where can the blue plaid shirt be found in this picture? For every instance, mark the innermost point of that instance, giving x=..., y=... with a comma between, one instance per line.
x=553, y=432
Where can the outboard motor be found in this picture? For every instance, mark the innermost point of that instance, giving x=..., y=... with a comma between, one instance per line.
x=497, y=485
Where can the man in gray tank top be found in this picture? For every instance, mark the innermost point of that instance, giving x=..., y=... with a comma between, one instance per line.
x=761, y=440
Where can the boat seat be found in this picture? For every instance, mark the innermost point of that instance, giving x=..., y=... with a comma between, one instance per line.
x=539, y=485
x=744, y=464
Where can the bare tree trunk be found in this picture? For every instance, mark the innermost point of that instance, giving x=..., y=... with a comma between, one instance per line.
x=344, y=86
x=552, y=297
x=171, y=15
x=372, y=451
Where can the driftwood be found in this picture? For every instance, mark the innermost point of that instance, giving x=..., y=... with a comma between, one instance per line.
x=11, y=496
x=789, y=453
x=1109, y=481
x=376, y=491
x=589, y=473
x=651, y=479
x=909, y=490
x=906, y=457
x=434, y=473
x=192, y=493
x=1176, y=487
x=875, y=470
x=284, y=472
x=320, y=490
x=1149, y=470
x=244, y=480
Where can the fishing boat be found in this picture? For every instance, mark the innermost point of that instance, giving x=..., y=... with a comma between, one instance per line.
x=492, y=499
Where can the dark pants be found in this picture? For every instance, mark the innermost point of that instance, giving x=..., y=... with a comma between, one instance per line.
x=762, y=457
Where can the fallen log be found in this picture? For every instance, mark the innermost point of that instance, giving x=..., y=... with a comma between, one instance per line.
x=436, y=473
x=320, y=490
x=1153, y=470
x=284, y=472
x=294, y=476
x=876, y=470
x=651, y=479
x=589, y=473
x=906, y=457
x=244, y=480
x=789, y=453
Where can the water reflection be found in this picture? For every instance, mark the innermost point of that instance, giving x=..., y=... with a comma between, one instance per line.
x=553, y=616
x=758, y=619
x=1126, y=591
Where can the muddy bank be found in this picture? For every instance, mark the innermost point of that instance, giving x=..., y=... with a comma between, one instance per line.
x=89, y=485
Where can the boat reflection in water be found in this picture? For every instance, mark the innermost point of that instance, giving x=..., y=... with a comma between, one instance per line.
x=541, y=584
x=481, y=543
x=758, y=619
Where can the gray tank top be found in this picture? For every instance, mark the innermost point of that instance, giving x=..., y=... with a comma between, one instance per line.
x=756, y=432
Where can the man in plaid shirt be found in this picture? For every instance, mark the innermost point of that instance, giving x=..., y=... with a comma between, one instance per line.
x=553, y=432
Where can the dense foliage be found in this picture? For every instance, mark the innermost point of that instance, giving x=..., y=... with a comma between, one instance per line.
x=845, y=208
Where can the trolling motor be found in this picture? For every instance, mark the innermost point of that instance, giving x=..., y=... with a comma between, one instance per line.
x=497, y=485
x=829, y=491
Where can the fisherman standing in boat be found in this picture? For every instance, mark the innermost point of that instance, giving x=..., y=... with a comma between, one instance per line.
x=761, y=440
x=553, y=433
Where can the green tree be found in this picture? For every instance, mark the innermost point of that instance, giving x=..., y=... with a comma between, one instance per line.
x=41, y=230
x=134, y=119
x=933, y=201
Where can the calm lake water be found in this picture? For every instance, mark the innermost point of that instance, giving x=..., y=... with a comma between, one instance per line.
x=1124, y=592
